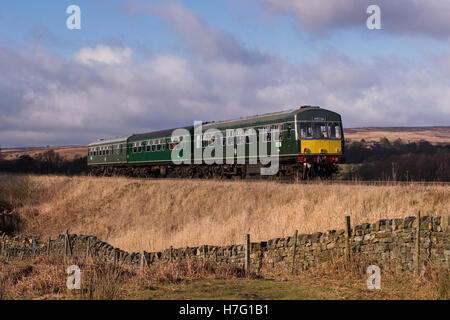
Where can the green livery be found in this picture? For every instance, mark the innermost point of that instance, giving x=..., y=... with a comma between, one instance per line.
x=307, y=139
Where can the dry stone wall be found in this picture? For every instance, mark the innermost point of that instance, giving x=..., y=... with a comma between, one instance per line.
x=387, y=243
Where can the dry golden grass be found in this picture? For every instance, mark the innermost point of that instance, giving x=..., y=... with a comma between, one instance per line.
x=430, y=134
x=45, y=278
x=135, y=214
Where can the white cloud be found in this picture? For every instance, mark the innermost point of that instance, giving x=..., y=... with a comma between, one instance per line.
x=103, y=54
x=49, y=100
x=430, y=17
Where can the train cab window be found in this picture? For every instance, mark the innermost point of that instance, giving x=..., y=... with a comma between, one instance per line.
x=135, y=149
x=158, y=147
x=320, y=130
x=334, y=130
x=163, y=147
x=306, y=130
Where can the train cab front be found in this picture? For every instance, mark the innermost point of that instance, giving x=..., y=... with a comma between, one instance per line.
x=320, y=146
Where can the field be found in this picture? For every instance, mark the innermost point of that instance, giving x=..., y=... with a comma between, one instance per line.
x=136, y=214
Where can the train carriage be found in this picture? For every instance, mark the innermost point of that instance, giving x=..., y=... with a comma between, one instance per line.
x=105, y=156
x=309, y=141
x=150, y=153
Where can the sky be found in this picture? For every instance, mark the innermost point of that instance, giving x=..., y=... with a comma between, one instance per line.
x=137, y=66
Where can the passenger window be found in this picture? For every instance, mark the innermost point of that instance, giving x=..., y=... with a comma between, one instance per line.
x=230, y=137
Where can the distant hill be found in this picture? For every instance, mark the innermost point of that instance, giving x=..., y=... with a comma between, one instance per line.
x=430, y=134
x=67, y=152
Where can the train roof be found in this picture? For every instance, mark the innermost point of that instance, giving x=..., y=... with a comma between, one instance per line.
x=265, y=118
x=244, y=121
x=108, y=141
x=157, y=134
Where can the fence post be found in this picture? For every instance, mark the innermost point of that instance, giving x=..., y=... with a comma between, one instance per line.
x=67, y=244
x=295, y=249
x=347, y=238
x=418, y=243
x=142, y=259
x=247, y=253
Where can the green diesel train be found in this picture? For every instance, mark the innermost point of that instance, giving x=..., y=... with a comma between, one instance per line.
x=308, y=141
